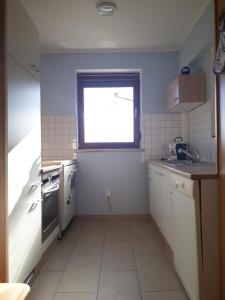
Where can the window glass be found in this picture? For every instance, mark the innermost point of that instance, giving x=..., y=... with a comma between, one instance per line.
x=108, y=110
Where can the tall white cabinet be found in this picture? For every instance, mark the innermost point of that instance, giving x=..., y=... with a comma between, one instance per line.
x=24, y=143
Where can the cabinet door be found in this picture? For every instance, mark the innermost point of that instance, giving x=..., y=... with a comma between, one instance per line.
x=22, y=37
x=150, y=188
x=166, y=207
x=185, y=242
x=153, y=190
x=24, y=159
x=158, y=182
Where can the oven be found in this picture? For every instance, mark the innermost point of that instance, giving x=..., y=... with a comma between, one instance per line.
x=50, y=203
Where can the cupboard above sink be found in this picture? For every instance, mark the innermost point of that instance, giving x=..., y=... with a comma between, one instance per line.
x=186, y=92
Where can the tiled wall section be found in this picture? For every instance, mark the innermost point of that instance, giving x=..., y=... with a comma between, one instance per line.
x=158, y=130
x=58, y=137
x=200, y=132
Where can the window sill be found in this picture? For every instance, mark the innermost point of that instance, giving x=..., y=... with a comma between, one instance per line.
x=109, y=150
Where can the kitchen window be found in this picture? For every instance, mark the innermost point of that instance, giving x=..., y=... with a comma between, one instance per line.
x=108, y=110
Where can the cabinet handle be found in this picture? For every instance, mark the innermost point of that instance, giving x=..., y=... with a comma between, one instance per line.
x=159, y=173
x=35, y=68
x=35, y=184
x=33, y=206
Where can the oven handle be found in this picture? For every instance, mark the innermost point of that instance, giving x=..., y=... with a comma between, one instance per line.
x=51, y=190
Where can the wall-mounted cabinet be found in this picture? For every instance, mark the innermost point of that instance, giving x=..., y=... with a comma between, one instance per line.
x=186, y=92
x=22, y=41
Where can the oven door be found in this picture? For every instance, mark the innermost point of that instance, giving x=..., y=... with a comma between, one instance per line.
x=50, y=210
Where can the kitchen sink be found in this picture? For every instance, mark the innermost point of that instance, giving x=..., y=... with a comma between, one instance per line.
x=187, y=163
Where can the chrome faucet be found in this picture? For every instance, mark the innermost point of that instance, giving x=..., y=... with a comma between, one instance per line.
x=195, y=158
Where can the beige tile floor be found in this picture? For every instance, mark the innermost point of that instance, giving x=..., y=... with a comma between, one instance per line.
x=108, y=260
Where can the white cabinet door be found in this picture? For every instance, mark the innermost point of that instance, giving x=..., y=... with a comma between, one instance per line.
x=160, y=200
x=153, y=193
x=185, y=242
x=24, y=159
x=166, y=207
x=22, y=37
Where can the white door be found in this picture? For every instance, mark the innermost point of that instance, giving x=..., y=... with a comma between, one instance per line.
x=24, y=159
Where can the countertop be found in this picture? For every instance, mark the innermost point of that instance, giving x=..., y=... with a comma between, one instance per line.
x=49, y=165
x=52, y=167
x=13, y=291
x=207, y=171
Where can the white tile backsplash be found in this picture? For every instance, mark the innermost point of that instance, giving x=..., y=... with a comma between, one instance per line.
x=158, y=130
x=199, y=132
x=58, y=137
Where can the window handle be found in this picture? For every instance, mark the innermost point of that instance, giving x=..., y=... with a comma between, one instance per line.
x=140, y=135
x=135, y=112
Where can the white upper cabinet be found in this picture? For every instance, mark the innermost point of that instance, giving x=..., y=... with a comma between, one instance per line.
x=22, y=38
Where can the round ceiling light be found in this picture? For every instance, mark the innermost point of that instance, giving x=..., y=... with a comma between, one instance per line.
x=106, y=8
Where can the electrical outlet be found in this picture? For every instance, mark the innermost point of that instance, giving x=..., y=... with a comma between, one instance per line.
x=108, y=194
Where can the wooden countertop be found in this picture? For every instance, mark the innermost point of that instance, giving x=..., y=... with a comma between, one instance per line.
x=194, y=172
x=14, y=291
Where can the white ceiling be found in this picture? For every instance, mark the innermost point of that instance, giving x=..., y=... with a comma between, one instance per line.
x=138, y=25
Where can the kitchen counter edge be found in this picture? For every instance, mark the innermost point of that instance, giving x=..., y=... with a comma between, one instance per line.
x=191, y=172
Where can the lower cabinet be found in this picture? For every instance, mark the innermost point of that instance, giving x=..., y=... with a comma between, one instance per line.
x=186, y=212
x=175, y=214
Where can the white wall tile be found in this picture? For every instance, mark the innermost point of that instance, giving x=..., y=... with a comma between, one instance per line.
x=158, y=130
x=58, y=137
x=200, y=132
x=157, y=134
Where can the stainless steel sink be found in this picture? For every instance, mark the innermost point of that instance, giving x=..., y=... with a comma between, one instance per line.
x=187, y=163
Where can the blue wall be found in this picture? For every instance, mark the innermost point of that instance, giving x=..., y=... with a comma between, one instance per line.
x=200, y=37
x=123, y=173
x=196, y=52
x=58, y=77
